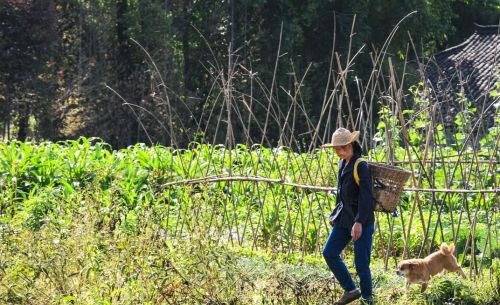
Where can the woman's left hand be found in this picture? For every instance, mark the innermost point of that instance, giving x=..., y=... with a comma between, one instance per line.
x=356, y=231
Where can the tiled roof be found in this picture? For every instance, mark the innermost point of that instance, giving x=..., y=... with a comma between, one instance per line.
x=472, y=67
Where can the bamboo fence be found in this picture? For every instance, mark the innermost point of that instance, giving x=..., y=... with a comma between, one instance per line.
x=290, y=216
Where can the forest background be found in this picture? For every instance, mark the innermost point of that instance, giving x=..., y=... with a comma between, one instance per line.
x=80, y=68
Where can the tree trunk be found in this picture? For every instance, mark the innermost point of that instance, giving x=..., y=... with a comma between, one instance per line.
x=185, y=48
x=126, y=131
x=24, y=114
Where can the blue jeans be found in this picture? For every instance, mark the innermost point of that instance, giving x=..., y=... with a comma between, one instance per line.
x=337, y=241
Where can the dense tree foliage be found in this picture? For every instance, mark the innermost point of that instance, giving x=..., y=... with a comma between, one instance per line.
x=144, y=70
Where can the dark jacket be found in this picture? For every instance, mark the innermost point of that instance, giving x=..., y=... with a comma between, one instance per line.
x=358, y=201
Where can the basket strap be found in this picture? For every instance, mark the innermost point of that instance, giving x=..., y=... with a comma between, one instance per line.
x=356, y=176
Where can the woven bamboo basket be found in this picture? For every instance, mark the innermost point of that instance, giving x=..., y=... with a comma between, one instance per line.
x=388, y=183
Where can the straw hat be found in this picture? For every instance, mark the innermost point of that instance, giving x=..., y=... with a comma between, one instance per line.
x=342, y=137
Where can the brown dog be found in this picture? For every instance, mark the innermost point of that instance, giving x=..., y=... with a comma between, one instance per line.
x=420, y=270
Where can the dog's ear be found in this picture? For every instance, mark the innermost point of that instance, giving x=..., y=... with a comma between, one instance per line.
x=411, y=266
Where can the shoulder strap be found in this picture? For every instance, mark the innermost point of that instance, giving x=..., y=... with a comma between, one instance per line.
x=356, y=176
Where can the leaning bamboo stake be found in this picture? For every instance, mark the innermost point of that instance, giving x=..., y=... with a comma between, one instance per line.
x=407, y=144
x=430, y=133
x=391, y=241
x=491, y=169
x=272, y=86
x=327, y=97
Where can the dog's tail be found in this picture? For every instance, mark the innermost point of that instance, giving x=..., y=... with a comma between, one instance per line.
x=447, y=250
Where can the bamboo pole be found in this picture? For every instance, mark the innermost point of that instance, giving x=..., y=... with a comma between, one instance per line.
x=221, y=178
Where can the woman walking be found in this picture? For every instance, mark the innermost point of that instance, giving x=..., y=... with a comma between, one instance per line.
x=352, y=218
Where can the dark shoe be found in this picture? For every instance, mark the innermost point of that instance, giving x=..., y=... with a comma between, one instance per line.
x=363, y=301
x=348, y=297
